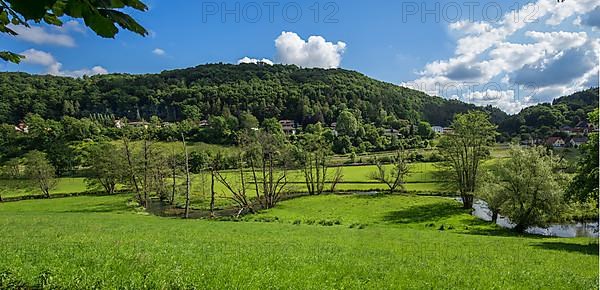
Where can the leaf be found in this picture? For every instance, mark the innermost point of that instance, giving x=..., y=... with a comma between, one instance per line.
x=52, y=19
x=31, y=9
x=101, y=25
x=11, y=57
x=124, y=20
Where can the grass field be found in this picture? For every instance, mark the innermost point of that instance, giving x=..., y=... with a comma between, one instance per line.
x=373, y=242
x=356, y=178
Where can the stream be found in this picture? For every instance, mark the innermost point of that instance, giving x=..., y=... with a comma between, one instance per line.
x=555, y=230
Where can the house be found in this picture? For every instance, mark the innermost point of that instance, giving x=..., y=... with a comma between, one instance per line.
x=447, y=130
x=333, y=128
x=555, y=142
x=437, y=129
x=391, y=132
x=583, y=127
x=22, y=128
x=288, y=126
x=528, y=142
x=203, y=123
x=577, y=141
x=119, y=123
x=566, y=129
x=139, y=124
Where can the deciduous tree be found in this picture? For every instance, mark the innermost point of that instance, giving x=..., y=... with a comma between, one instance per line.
x=102, y=17
x=464, y=150
x=531, y=186
x=392, y=177
x=106, y=168
x=39, y=170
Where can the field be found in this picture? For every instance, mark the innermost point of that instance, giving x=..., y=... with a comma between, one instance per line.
x=324, y=242
x=421, y=179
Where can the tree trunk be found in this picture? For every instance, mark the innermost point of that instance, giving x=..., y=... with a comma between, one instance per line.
x=520, y=228
x=187, y=179
x=494, y=216
x=212, y=193
x=174, y=173
x=467, y=201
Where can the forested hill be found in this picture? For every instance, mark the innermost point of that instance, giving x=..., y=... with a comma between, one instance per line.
x=281, y=91
x=542, y=119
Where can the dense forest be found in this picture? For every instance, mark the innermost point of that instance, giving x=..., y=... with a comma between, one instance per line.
x=280, y=91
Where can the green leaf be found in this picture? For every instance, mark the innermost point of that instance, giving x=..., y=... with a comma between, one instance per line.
x=31, y=9
x=124, y=20
x=101, y=25
x=11, y=57
x=52, y=19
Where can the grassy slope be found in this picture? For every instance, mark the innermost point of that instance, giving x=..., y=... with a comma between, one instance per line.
x=98, y=241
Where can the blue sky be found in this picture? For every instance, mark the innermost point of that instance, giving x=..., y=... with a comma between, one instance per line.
x=491, y=54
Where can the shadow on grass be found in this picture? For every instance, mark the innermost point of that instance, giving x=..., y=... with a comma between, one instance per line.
x=589, y=249
x=425, y=213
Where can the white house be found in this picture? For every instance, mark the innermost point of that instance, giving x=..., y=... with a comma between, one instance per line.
x=437, y=129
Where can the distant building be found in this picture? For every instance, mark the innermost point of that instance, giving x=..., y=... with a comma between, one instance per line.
x=22, y=128
x=119, y=123
x=203, y=123
x=333, y=128
x=139, y=124
x=437, y=129
x=566, y=129
x=391, y=132
x=288, y=126
x=555, y=142
x=577, y=141
x=447, y=130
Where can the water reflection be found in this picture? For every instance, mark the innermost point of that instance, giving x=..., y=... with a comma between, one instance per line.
x=558, y=230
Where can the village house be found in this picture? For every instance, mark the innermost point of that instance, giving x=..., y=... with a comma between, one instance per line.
x=288, y=126
x=22, y=128
x=556, y=142
x=437, y=129
x=577, y=141
x=447, y=130
x=140, y=124
x=119, y=123
x=333, y=128
x=391, y=132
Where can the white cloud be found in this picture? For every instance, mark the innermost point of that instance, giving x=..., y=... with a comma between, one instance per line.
x=54, y=67
x=255, y=61
x=557, y=62
x=159, y=51
x=41, y=35
x=316, y=52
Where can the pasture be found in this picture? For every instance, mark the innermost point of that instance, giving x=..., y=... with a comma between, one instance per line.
x=319, y=242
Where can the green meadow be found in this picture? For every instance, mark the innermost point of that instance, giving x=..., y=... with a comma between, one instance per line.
x=318, y=242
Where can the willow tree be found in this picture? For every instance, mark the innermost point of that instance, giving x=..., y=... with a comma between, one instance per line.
x=464, y=150
x=530, y=186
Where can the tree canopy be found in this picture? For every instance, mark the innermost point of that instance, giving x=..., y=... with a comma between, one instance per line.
x=102, y=17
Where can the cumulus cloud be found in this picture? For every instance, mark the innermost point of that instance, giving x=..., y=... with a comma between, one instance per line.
x=516, y=55
x=42, y=35
x=314, y=52
x=159, y=51
x=54, y=67
x=255, y=61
